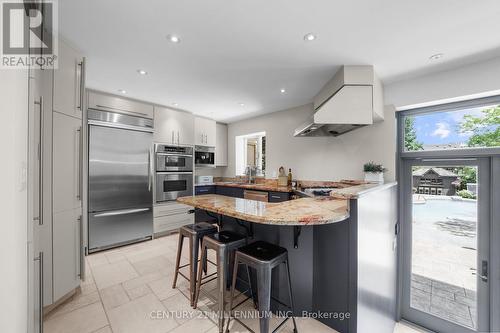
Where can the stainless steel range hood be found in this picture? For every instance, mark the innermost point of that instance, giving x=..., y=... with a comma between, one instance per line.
x=353, y=98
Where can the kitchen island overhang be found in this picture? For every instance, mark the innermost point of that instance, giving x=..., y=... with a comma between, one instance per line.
x=344, y=267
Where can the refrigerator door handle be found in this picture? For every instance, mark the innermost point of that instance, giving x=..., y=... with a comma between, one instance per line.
x=122, y=212
x=149, y=170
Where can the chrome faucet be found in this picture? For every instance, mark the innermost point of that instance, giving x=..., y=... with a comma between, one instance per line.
x=251, y=173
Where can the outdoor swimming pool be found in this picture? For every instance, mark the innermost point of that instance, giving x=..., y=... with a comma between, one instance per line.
x=444, y=208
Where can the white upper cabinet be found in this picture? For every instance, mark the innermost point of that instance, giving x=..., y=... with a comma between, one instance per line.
x=204, y=132
x=69, y=82
x=221, y=145
x=112, y=103
x=173, y=127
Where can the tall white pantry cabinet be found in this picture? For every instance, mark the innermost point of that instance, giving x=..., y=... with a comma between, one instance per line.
x=60, y=229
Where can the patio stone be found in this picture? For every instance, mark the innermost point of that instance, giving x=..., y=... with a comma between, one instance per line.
x=420, y=300
x=421, y=286
x=448, y=287
x=466, y=301
x=444, y=304
x=439, y=312
x=447, y=301
x=448, y=294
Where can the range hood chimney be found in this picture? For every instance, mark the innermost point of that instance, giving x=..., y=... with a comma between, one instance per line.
x=353, y=98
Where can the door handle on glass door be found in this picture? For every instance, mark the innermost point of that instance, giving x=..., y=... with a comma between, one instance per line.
x=484, y=271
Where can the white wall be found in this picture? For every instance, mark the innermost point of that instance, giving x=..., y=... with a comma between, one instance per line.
x=466, y=82
x=343, y=157
x=13, y=199
x=321, y=158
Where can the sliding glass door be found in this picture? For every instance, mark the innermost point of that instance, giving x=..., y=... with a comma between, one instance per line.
x=448, y=176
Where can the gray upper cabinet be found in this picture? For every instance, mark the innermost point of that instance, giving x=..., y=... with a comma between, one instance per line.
x=204, y=132
x=173, y=126
x=112, y=103
x=69, y=82
x=221, y=145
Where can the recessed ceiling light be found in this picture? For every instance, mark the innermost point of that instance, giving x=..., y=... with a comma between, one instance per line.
x=436, y=56
x=282, y=90
x=142, y=71
x=242, y=104
x=309, y=37
x=173, y=38
x=122, y=91
x=175, y=104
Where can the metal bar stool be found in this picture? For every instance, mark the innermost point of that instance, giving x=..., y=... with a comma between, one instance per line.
x=263, y=257
x=224, y=243
x=195, y=233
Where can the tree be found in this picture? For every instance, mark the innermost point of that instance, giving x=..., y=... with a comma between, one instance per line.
x=411, y=142
x=468, y=175
x=485, y=129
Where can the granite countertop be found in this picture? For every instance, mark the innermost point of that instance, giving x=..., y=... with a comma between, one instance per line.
x=261, y=187
x=354, y=192
x=303, y=211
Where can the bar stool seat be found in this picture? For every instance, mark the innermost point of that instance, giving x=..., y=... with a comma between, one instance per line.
x=195, y=233
x=263, y=257
x=262, y=251
x=224, y=243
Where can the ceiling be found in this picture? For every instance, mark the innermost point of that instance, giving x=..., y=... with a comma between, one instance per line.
x=245, y=51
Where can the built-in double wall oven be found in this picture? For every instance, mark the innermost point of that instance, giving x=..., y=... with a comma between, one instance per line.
x=174, y=172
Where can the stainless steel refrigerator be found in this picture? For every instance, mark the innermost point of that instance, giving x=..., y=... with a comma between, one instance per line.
x=120, y=180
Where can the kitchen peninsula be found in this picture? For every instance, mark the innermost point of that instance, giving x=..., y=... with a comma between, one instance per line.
x=342, y=250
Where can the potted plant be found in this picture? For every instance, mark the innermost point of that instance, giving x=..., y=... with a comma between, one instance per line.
x=374, y=172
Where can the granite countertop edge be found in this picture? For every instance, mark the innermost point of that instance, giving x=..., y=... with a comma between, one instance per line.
x=355, y=192
x=341, y=213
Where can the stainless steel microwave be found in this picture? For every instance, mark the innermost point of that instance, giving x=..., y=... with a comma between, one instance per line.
x=172, y=185
x=173, y=158
x=204, y=156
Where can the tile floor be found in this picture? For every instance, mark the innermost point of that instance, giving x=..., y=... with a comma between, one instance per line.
x=126, y=287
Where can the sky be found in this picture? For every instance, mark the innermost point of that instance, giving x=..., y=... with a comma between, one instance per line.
x=443, y=127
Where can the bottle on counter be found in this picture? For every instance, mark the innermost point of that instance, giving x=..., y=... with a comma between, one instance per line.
x=289, y=177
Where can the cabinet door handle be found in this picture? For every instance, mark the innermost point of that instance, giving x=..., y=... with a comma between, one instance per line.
x=80, y=252
x=178, y=137
x=40, y=291
x=172, y=136
x=81, y=88
x=40, y=161
x=79, y=161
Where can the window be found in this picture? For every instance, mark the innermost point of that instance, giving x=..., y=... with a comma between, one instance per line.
x=455, y=128
x=251, y=151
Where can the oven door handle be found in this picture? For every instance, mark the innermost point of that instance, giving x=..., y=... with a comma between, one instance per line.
x=172, y=154
x=174, y=173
